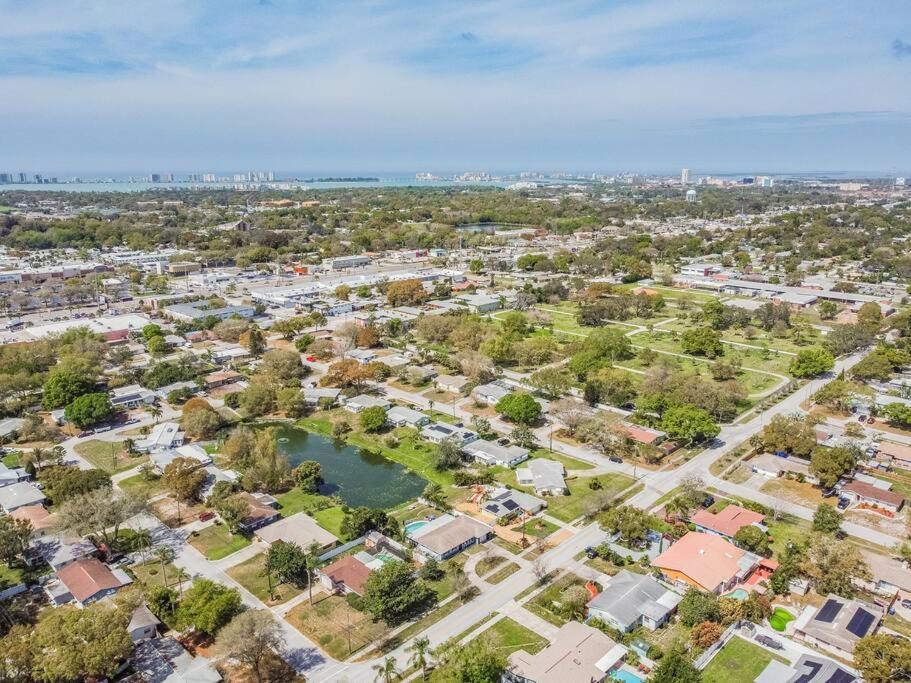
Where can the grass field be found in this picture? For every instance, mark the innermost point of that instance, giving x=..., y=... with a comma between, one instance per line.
x=327, y=621
x=739, y=661
x=508, y=636
x=149, y=574
x=568, y=508
x=568, y=462
x=503, y=573
x=545, y=604
x=216, y=543
x=110, y=456
x=139, y=482
x=295, y=500
x=252, y=576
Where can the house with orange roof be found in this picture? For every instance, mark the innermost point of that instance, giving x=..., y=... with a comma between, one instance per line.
x=86, y=581
x=643, y=435
x=706, y=561
x=727, y=522
x=41, y=520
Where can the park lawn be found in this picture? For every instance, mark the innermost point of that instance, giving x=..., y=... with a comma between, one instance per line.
x=739, y=661
x=502, y=573
x=568, y=508
x=216, y=543
x=326, y=623
x=110, y=456
x=251, y=574
x=149, y=573
x=544, y=604
x=508, y=636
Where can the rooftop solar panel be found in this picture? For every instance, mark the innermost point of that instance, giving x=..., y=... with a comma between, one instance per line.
x=860, y=623
x=829, y=611
x=510, y=504
x=812, y=668
x=841, y=676
x=491, y=508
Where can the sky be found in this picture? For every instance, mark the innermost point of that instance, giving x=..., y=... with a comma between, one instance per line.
x=718, y=86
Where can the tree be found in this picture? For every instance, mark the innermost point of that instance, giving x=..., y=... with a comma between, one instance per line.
x=870, y=315
x=571, y=413
x=831, y=464
x=254, y=339
x=184, y=478
x=833, y=565
x=157, y=346
x=836, y=394
x=72, y=644
x=552, y=381
x=89, y=410
x=792, y=435
x=697, y=607
x=811, y=362
x=826, y=519
x=387, y=671
x=258, y=398
x=827, y=309
x=753, y=539
x=282, y=367
x=874, y=366
x=435, y=495
x=406, y=293
x=690, y=423
x=883, y=657
x=14, y=538
x=702, y=341
x=308, y=476
x=790, y=561
x=705, y=634
x=898, y=414
x=289, y=562
x=419, y=649
x=394, y=593
x=207, y=605
x=63, y=387
x=63, y=483
x=250, y=638
x=675, y=667
x=342, y=292
x=447, y=456
x=233, y=510
x=519, y=407
x=372, y=419
x=476, y=662
x=200, y=420
x=361, y=520
x=240, y=446
x=629, y=521
x=615, y=386
x=99, y=511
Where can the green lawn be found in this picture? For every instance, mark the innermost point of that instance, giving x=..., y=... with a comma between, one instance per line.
x=11, y=459
x=739, y=661
x=502, y=573
x=139, y=482
x=546, y=603
x=568, y=508
x=216, y=543
x=10, y=576
x=568, y=462
x=295, y=500
x=149, y=573
x=508, y=636
x=110, y=456
x=252, y=576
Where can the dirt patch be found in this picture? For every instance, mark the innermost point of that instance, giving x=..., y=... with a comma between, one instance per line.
x=874, y=520
x=793, y=491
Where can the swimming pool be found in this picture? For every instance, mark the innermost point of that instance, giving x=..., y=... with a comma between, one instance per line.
x=626, y=676
x=739, y=594
x=415, y=525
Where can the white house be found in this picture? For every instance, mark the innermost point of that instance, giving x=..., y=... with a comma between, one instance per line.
x=545, y=475
x=493, y=454
x=438, y=432
x=163, y=436
x=400, y=416
x=356, y=404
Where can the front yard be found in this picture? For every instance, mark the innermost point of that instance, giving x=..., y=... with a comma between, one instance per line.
x=508, y=636
x=332, y=623
x=252, y=576
x=216, y=543
x=110, y=456
x=547, y=603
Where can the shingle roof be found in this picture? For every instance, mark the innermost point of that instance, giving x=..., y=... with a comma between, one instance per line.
x=85, y=578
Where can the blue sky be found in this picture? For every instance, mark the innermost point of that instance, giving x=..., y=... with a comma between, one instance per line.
x=384, y=87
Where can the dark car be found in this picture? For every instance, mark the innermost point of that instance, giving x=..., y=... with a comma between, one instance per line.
x=906, y=604
x=768, y=642
x=614, y=458
x=591, y=553
x=843, y=503
x=708, y=501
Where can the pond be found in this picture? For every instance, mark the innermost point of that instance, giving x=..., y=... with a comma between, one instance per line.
x=355, y=475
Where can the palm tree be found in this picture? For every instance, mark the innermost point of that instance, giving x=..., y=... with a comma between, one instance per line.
x=155, y=412
x=164, y=555
x=676, y=507
x=419, y=650
x=386, y=672
x=58, y=453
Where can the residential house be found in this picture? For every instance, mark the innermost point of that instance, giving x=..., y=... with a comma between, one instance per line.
x=545, y=475
x=356, y=404
x=349, y=574
x=299, y=528
x=631, y=600
x=143, y=624
x=363, y=356
x=199, y=310
x=262, y=511
x=41, y=520
x=643, y=435
x=577, y=654
x=20, y=495
x=161, y=459
x=88, y=580
x=807, y=669
x=400, y=416
x=504, y=503
x=447, y=535
x=131, y=397
x=221, y=378
x=898, y=454
x=492, y=392
x=438, y=432
x=163, y=436
x=707, y=562
x=492, y=454
x=872, y=496
x=452, y=383
x=838, y=624
x=315, y=395
x=772, y=466
x=10, y=427
x=12, y=475
x=164, y=660
x=58, y=550
x=727, y=522
x=190, y=387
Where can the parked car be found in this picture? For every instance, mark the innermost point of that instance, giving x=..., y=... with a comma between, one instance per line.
x=843, y=503
x=311, y=359
x=206, y=516
x=708, y=501
x=614, y=458
x=906, y=604
x=591, y=553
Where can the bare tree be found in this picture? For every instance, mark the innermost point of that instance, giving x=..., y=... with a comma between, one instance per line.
x=250, y=638
x=570, y=412
x=540, y=570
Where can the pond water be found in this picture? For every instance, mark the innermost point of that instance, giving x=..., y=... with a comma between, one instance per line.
x=356, y=476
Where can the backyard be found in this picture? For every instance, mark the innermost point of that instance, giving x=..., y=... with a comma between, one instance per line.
x=739, y=661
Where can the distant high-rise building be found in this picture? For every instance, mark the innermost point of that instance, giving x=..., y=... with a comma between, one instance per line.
x=23, y=178
x=6, y=178
x=685, y=176
x=899, y=182
x=271, y=176
x=168, y=177
x=155, y=178
x=208, y=177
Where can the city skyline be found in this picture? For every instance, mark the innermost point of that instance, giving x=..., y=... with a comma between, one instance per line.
x=402, y=87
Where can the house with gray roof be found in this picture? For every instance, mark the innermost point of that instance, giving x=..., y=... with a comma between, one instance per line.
x=545, y=475
x=19, y=495
x=400, y=416
x=356, y=404
x=504, y=503
x=838, y=624
x=438, y=432
x=491, y=453
x=633, y=600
